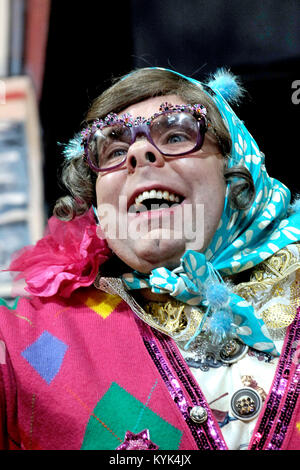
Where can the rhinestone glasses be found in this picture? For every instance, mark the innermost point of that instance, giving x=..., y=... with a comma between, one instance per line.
x=174, y=131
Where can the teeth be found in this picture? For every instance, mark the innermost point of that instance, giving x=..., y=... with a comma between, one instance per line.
x=153, y=194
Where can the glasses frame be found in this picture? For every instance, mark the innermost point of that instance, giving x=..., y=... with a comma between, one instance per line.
x=141, y=126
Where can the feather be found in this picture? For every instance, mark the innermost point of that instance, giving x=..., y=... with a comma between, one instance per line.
x=227, y=84
x=73, y=148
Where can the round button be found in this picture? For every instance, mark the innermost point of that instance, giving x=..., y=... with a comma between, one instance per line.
x=233, y=351
x=246, y=404
x=198, y=414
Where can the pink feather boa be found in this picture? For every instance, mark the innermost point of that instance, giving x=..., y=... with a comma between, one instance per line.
x=66, y=258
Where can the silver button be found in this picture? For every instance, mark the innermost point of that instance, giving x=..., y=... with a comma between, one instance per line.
x=198, y=414
x=233, y=351
x=246, y=404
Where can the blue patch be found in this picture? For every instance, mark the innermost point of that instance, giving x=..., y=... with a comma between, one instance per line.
x=45, y=355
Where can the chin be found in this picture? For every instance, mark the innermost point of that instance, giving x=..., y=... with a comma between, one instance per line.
x=153, y=253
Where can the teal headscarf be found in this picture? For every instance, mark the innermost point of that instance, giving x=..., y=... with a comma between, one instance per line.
x=242, y=240
x=245, y=238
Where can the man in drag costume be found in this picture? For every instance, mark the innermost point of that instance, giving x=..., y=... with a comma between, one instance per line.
x=161, y=307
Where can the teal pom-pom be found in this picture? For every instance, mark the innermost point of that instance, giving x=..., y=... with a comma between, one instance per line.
x=73, y=148
x=220, y=326
x=217, y=295
x=295, y=206
x=221, y=320
x=227, y=84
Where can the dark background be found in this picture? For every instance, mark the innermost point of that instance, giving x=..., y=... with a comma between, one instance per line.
x=90, y=42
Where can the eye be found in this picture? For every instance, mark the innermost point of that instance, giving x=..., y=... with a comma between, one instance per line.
x=117, y=153
x=113, y=155
x=176, y=138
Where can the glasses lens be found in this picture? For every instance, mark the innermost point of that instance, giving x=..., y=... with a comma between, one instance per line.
x=108, y=147
x=174, y=133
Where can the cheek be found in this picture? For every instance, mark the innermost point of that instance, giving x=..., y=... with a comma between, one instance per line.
x=215, y=185
x=107, y=188
x=111, y=206
x=100, y=190
x=205, y=174
x=209, y=188
x=214, y=178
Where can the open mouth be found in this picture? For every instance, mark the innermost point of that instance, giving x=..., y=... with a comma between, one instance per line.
x=155, y=199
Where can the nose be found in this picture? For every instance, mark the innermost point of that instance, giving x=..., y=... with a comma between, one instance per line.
x=142, y=153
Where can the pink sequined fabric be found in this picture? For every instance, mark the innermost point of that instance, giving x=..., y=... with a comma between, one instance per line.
x=182, y=388
x=140, y=441
x=274, y=421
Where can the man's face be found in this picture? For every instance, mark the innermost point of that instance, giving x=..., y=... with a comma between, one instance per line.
x=159, y=237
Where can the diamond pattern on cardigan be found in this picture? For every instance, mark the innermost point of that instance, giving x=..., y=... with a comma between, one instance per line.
x=46, y=355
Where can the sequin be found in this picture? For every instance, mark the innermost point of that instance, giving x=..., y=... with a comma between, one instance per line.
x=271, y=429
x=140, y=441
x=207, y=435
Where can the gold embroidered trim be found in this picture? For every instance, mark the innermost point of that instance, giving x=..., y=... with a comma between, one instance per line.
x=274, y=288
x=170, y=315
x=172, y=318
x=179, y=320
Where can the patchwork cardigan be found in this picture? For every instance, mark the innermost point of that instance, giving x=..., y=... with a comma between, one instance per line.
x=85, y=372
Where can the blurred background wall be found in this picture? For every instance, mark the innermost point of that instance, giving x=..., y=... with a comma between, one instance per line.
x=260, y=41
x=71, y=51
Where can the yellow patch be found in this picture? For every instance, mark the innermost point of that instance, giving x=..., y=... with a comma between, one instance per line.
x=103, y=304
x=298, y=426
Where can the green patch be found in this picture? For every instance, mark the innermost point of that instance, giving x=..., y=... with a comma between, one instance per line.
x=11, y=305
x=117, y=412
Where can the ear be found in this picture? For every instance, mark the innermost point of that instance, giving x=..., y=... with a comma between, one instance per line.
x=227, y=84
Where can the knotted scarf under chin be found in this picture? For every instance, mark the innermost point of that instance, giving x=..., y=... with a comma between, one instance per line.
x=195, y=282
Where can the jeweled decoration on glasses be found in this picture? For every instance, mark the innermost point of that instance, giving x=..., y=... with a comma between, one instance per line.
x=175, y=130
